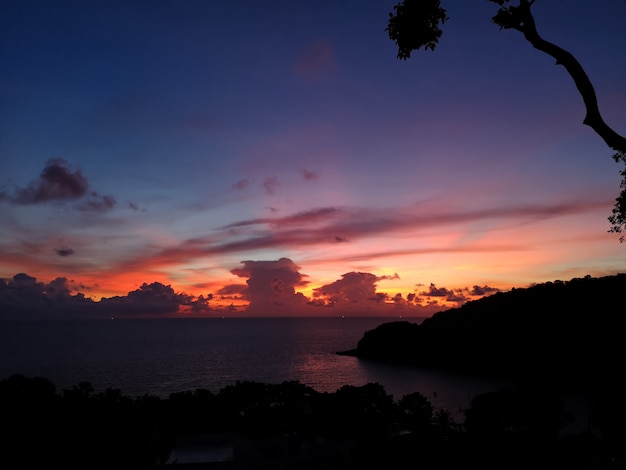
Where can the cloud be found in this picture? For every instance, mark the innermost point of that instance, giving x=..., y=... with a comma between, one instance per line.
x=150, y=299
x=232, y=289
x=64, y=252
x=332, y=225
x=56, y=182
x=458, y=296
x=23, y=297
x=353, y=287
x=308, y=175
x=59, y=183
x=272, y=290
x=434, y=291
x=484, y=290
x=269, y=184
x=356, y=293
x=355, y=290
x=200, y=304
x=393, y=276
x=321, y=214
x=97, y=203
x=241, y=184
x=271, y=285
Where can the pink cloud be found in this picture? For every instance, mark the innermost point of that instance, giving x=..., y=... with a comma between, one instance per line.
x=353, y=287
x=332, y=225
x=271, y=285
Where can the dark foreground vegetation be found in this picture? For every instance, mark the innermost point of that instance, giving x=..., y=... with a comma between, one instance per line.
x=291, y=426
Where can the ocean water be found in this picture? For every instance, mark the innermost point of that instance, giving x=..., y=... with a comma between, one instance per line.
x=160, y=357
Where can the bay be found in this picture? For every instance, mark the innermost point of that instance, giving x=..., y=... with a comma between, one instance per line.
x=163, y=356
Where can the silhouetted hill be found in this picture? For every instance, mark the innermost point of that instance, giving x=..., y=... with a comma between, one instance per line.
x=566, y=333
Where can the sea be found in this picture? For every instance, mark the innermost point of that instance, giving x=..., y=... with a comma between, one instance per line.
x=164, y=356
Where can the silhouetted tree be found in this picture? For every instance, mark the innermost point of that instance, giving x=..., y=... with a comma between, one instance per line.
x=417, y=412
x=444, y=424
x=366, y=410
x=416, y=24
x=509, y=428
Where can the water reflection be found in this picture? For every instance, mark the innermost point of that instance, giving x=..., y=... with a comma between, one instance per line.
x=444, y=390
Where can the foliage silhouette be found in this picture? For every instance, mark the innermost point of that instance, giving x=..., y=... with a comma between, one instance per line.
x=354, y=426
x=418, y=413
x=416, y=24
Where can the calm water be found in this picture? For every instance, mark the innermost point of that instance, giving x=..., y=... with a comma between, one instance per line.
x=159, y=357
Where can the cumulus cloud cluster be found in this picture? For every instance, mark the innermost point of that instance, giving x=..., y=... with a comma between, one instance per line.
x=458, y=296
x=272, y=288
x=271, y=285
x=25, y=297
x=351, y=288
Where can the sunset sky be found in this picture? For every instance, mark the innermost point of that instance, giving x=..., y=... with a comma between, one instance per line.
x=275, y=157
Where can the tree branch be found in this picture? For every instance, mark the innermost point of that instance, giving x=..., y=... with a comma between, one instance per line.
x=524, y=22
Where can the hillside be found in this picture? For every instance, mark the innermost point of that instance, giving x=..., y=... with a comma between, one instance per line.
x=566, y=333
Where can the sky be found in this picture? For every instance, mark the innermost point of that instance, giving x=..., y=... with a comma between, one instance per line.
x=271, y=158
